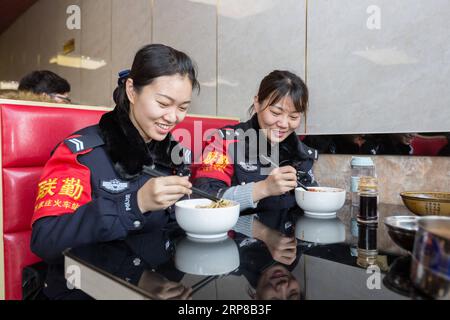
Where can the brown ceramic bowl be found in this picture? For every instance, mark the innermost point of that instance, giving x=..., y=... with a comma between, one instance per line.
x=427, y=203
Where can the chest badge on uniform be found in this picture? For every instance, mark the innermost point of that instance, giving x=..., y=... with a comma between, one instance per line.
x=247, y=166
x=114, y=186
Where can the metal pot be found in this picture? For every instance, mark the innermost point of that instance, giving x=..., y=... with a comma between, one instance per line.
x=430, y=267
x=402, y=230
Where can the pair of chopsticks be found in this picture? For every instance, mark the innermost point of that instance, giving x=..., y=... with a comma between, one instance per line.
x=203, y=283
x=155, y=173
x=299, y=184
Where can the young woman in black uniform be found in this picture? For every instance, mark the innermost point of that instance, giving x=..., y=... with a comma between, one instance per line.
x=93, y=188
x=240, y=169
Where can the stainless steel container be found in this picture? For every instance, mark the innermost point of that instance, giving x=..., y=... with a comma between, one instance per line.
x=430, y=267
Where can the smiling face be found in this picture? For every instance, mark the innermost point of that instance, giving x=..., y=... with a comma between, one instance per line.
x=277, y=120
x=159, y=106
x=277, y=283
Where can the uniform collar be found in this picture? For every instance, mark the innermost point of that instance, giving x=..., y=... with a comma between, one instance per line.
x=127, y=149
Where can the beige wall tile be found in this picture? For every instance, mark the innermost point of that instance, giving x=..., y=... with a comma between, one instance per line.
x=395, y=174
x=96, y=43
x=389, y=80
x=256, y=37
x=31, y=37
x=18, y=48
x=3, y=59
x=5, y=55
x=14, y=55
x=73, y=75
x=127, y=37
x=47, y=13
x=43, y=36
x=190, y=26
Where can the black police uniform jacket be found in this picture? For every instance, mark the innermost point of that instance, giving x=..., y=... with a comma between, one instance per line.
x=88, y=191
x=229, y=159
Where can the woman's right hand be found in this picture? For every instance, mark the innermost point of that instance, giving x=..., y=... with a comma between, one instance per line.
x=280, y=181
x=162, y=192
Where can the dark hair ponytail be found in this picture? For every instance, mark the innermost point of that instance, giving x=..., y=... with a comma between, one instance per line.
x=280, y=83
x=151, y=62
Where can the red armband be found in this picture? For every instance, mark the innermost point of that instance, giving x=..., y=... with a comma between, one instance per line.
x=64, y=185
x=216, y=162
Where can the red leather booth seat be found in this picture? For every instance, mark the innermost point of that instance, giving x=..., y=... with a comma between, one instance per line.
x=428, y=145
x=29, y=132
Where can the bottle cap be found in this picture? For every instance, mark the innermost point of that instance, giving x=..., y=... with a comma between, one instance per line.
x=368, y=184
x=362, y=162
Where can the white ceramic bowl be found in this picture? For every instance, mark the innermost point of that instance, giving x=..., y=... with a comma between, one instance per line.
x=324, y=202
x=206, y=258
x=205, y=223
x=320, y=231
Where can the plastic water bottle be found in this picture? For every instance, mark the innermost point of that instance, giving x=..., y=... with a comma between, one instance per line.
x=361, y=166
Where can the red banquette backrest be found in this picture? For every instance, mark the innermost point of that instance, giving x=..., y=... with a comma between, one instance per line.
x=29, y=132
x=428, y=145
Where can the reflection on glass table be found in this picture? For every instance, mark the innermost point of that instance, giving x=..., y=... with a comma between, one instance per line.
x=167, y=265
x=206, y=258
x=185, y=269
x=276, y=283
x=320, y=231
x=398, y=280
x=414, y=144
x=160, y=288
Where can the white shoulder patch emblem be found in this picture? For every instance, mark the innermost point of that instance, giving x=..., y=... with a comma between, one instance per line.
x=114, y=186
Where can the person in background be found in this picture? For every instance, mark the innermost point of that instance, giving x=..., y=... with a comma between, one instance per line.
x=236, y=168
x=395, y=144
x=48, y=84
x=324, y=144
x=93, y=188
x=355, y=144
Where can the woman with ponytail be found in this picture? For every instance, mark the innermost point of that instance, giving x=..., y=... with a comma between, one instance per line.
x=261, y=173
x=93, y=188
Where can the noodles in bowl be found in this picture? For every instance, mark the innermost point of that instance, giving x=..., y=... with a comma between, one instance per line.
x=222, y=203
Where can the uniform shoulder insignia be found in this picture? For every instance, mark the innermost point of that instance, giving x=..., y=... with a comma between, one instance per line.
x=228, y=133
x=312, y=153
x=82, y=143
x=114, y=185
